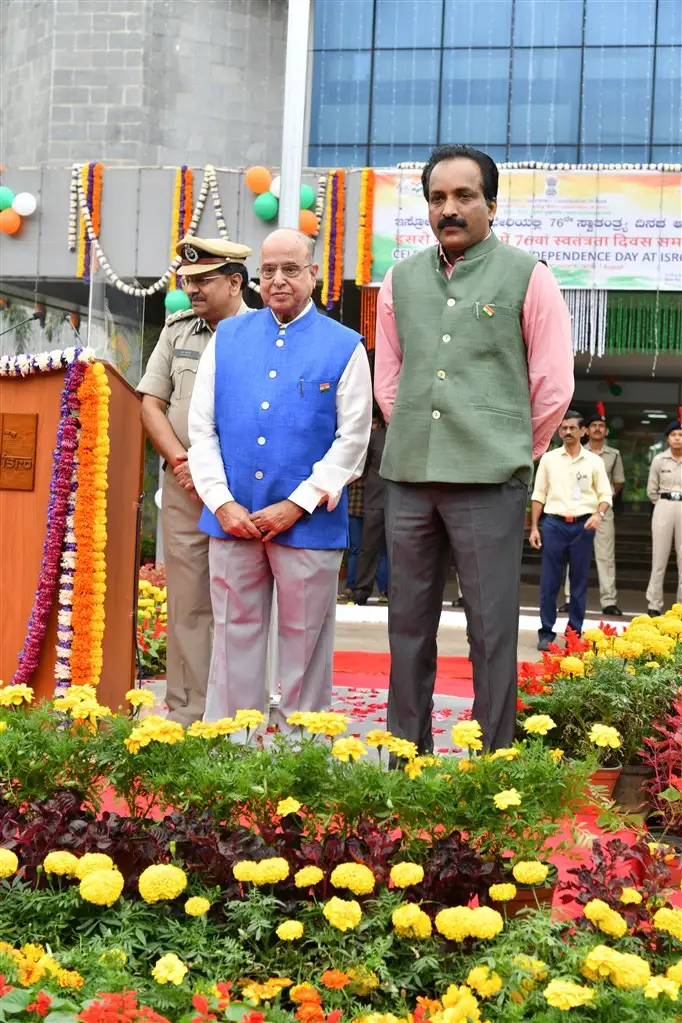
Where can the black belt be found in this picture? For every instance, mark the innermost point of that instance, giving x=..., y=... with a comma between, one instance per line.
x=569, y=518
x=676, y=495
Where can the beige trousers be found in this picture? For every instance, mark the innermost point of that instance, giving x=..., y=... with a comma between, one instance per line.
x=243, y=575
x=666, y=531
x=190, y=619
x=605, y=556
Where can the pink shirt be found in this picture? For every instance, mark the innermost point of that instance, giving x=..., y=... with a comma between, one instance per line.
x=546, y=329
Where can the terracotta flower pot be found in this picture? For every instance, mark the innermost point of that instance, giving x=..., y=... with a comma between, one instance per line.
x=629, y=792
x=526, y=896
x=604, y=780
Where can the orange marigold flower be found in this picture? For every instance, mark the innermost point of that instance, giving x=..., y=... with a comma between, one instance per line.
x=335, y=980
x=304, y=993
x=310, y=1012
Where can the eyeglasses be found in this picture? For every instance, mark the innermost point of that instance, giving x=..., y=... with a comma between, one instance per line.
x=198, y=280
x=289, y=270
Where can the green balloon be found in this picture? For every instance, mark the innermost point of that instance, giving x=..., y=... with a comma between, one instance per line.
x=307, y=197
x=6, y=197
x=177, y=300
x=266, y=206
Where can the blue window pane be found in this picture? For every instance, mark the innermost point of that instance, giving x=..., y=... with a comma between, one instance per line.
x=404, y=25
x=337, y=156
x=497, y=153
x=548, y=22
x=617, y=96
x=668, y=95
x=475, y=96
x=477, y=23
x=626, y=23
x=544, y=154
x=545, y=96
x=340, y=108
x=665, y=154
x=669, y=22
x=389, y=156
x=343, y=24
x=405, y=96
x=614, y=154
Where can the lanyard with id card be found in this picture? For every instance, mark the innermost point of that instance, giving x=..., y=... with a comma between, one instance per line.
x=582, y=483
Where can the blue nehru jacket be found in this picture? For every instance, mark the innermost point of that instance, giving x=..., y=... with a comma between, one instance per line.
x=275, y=415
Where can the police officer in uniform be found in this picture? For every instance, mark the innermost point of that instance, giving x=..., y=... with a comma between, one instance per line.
x=664, y=489
x=214, y=276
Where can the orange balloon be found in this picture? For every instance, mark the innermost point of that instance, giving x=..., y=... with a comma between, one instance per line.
x=10, y=221
x=307, y=222
x=258, y=179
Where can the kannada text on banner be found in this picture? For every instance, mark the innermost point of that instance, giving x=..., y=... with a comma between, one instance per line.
x=619, y=230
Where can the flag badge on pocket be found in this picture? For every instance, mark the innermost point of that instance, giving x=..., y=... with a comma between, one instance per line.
x=325, y=387
x=488, y=310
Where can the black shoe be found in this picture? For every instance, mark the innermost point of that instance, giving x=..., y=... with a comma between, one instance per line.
x=458, y=603
x=564, y=609
x=543, y=644
x=653, y=613
x=359, y=598
x=611, y=609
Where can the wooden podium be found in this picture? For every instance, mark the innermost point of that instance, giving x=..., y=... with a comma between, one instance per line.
x=23, y=515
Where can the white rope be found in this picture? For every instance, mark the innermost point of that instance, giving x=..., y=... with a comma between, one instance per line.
x=587, y=307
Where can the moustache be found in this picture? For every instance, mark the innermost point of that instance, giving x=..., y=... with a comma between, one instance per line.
x=451, y=222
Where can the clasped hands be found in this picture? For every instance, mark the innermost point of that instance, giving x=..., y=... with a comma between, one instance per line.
x=263, y=525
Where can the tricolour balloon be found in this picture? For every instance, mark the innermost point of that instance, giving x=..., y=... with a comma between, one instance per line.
x=10, y=222
x=266, y=206
x=258, y=179
x=176, y=300
x=276, y=186
x=307, y=222
x=24, y=204
x=307, y=197
x=6, y=197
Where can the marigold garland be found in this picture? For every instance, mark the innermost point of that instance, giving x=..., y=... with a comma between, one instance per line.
x=86, y=181
x=327, y=239
x=87, y=616
x=332, y=261
x=340, y=212
x=363, y=271
x=182, y=212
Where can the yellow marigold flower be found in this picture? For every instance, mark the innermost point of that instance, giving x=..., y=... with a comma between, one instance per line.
x=630, y=897
x=486, y=922
x=348, y=749
x=595, y=635
x=484, y=981
x=64, y=864
x=535, y=967
x=556, y=755
x=630, y=972
x=70, y=979
x=306, y=877
x=226, y=726
x=161, y=881
x=12, y=696
x=539, y=724
x=411, y=922
x=605, y=918
x=465, y=764
x=169, y=969
x=140, y=698
x=455, y=923
x=287, y=806
x=670, y=921
x=3, y=726
x=628, y=649
x=328, y=723
x=467, y=735
x=102, y=887
x=564, y=994
x=249, y=718
x=599, y=962
x=662, y=986
x=113, y=957
x=413, y=768
x=402, y=748
x=9, y=862
x=376, y=737
x=245, y=870
x=271, y=871
x=670, y=626
x=343, y=914
x=502, y=892
x=203, y=730
x=510, y=753
x=530, y=872
x=674, y=972
x=355, y=876
x=604, y=735
x=290, y=930
x=572, y=666
x=405, y=874
x=652, y=664
x=508, y=797
x=300, y=718
x=460, y=1005
x=90, y=862
x=197, y=906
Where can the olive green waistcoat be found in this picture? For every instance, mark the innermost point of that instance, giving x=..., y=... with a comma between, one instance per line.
x=462, y=411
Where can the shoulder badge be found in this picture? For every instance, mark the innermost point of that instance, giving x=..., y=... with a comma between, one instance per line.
x=183, y=314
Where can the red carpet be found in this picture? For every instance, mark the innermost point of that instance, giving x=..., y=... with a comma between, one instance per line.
x=364, y=670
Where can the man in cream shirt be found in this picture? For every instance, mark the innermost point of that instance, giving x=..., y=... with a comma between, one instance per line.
x=573, y=490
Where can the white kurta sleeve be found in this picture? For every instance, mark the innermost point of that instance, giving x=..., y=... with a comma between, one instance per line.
x=345, y=459
x=205, y=459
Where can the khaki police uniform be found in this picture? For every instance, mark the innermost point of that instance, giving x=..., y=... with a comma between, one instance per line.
x=664, y=489
x=170, y=375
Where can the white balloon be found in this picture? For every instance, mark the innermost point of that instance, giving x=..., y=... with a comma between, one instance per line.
x=24, y=204
x=158, y=498
x=276, y=186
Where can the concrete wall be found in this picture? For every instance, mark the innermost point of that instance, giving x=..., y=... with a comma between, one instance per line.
x=141, y=82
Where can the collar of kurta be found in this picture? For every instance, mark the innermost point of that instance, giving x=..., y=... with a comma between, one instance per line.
x=489, y=243
x=304, y=319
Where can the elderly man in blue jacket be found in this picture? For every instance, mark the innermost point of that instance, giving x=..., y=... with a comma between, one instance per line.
x=279, y=425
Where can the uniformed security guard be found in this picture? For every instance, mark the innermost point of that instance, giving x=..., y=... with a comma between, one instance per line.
x=214, y=276
x=605, y=537
x=664, y=489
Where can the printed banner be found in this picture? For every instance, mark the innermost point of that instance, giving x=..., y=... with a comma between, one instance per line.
x=619, y=230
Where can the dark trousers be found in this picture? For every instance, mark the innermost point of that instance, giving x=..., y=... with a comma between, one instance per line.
x=354, y=542
x=564, y=542
x=372, y=561
x=484, y=526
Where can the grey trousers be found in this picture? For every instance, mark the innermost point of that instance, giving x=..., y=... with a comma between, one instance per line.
x=243, y=573
x=484, y=525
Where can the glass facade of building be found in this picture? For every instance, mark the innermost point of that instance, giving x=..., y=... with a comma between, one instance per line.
x=549, y=80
